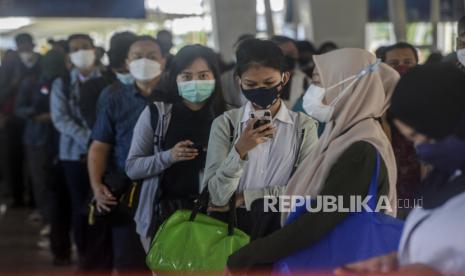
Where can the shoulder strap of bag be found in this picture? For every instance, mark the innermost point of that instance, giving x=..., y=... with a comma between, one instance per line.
x=66, y=83
x=231, y=131
x=154, y=122
x=373, y=191
x=300, y=140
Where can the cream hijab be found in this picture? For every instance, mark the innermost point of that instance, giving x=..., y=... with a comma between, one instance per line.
x=368, y=98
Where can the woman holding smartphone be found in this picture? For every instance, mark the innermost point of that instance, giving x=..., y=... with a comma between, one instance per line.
x=168, y=149
x=253, y=150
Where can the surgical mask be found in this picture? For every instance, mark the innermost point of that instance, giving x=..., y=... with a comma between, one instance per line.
x=144, y=69
x=262, y=96
x=83, y=59
x=196, y=91
x=461, y=56
x=313, y=98
x=29, y=59
x=126, y=79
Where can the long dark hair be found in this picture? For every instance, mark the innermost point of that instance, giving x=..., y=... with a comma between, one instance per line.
x=184, y=58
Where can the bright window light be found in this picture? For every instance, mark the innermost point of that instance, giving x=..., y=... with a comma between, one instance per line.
x=176, y=6
x=13, y=23
x=186, y=25
x=276, y=6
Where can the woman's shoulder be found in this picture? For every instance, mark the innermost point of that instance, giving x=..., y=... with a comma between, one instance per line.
x=303, y=119
x=233, y=115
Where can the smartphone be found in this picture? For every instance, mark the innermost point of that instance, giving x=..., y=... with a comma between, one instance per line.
x=263, y=116
x=199, y=147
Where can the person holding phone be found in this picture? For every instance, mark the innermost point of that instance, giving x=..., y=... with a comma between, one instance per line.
x=170, y=156
x=253, y=150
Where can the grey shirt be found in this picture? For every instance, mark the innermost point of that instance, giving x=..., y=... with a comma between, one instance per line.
x=67, y=118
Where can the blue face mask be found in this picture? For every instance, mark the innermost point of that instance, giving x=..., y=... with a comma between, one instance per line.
x=196, y=91
x=126, y=79
x=447, y=155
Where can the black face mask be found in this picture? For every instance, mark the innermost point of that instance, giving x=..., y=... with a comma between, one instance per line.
x=262, y=96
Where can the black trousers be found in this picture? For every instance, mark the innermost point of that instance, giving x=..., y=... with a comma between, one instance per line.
x=60, y=215
x=12, y=158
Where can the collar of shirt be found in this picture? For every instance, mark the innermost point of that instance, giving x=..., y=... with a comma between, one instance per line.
x=136, y=92
x=282, y=115
x=76, y=76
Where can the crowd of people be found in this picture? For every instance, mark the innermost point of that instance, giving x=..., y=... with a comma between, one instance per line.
x=108, y=153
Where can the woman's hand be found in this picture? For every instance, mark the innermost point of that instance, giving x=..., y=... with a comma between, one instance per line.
x=183, y=152
x=386, y=263
x=251, y=137
x=223, y=209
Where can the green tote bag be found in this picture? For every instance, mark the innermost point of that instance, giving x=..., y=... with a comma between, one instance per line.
x=190, y=241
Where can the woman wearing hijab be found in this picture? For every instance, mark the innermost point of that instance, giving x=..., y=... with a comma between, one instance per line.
x=350, y=92
x=428, y=108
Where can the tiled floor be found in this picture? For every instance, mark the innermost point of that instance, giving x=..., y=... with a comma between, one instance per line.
x=19, y=253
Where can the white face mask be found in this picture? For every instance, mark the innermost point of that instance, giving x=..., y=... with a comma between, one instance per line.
x=83, y=59
x=313, y=98
x=461, y=56
x=144, y=69
x=29, y=59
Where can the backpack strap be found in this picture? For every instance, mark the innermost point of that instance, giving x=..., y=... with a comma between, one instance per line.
x=231, y=131
x=154, y=116
x=66, y=83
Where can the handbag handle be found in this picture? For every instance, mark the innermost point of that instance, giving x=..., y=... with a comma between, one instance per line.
x=202, y=203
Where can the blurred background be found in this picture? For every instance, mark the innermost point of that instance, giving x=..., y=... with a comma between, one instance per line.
x=427, y=24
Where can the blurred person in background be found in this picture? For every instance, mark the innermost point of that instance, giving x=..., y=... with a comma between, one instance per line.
x=50, y=191
x=28, y=67
x=75, y=133
x=119, y=107
x=432, y=242
x=403, y=57
x=435, y=57
x=299, y=82
x=33, y=107
x=379, y=52
x=171, y=165
x=9, y=81
x=99, y=248
x=327, y=47
x=60, y=45
x=165, y=38
x=230, y=82
x=306, y=52
x=117, y=71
